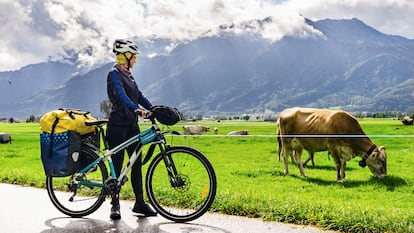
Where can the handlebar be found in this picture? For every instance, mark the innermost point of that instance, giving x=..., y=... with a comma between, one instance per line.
x=150, y=116
x=164, y=114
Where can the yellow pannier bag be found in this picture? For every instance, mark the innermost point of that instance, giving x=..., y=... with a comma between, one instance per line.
x=62, y=120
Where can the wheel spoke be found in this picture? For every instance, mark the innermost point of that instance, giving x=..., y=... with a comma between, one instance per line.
x=192, y=189
x=78, y=200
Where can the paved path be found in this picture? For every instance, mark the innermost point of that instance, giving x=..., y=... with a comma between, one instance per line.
x=27, y=210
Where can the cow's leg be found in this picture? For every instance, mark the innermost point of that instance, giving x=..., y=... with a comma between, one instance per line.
x=343, y=166
x=338, y=170
x=306, y=161
x=338, y=165
x=279, y=145
x=310, y=158
x=298, y=158
x=293, y=156
x=286, y=153
x=279, y=152
x=335, y=152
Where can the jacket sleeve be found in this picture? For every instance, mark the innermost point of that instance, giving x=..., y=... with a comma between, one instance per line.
x=144, y=101
x=119, y=91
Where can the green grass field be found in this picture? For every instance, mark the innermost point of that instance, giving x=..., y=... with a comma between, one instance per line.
x=251, y=181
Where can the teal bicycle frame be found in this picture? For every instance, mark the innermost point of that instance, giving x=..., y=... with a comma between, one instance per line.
x=147, y=136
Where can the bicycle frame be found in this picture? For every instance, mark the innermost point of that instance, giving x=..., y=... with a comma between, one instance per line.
x=150, y=135
x=191, y=178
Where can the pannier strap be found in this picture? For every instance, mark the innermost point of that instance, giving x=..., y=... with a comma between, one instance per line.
x=51, y=136
x=97, y=122
x=72, y=111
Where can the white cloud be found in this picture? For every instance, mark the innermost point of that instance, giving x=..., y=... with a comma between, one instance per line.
x=35, y=30
x=21, y=41
x=388, y=16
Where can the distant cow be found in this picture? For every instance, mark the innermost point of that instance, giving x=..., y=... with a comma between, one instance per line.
x=195, y=129
x=407, y=121
x=215, y=130
x=326, y=130
x=240, y=132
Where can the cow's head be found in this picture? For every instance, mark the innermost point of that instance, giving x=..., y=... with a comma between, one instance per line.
x=377, y=162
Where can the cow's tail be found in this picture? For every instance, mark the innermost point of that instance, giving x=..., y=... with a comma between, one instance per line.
x=279, y=140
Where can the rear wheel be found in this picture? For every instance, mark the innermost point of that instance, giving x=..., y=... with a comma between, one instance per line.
x=187, y=194
x=75, y=199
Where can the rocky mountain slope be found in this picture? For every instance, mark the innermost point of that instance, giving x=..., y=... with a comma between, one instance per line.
x=348, y=65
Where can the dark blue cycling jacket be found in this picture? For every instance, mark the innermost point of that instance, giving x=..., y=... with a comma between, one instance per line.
x=125, y=97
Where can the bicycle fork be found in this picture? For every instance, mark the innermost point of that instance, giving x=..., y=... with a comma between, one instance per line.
x=175, y=179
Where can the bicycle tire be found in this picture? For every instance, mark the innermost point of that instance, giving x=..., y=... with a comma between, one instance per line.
x=87, y=200
x=194, y=197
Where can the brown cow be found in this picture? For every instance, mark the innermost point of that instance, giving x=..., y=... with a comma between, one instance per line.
x=327, y=130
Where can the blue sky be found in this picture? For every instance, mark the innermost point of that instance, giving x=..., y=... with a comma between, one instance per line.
x=37, y=30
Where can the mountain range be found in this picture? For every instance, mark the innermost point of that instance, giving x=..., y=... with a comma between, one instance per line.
x=348, y=65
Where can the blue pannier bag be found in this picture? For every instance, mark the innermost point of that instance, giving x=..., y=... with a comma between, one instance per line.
x=60, y=153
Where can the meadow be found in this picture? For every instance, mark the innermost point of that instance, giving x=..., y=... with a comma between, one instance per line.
x=251, y=181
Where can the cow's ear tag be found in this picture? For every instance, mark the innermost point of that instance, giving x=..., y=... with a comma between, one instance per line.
x=362, y=163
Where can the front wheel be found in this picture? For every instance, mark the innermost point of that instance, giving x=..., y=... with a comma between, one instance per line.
x=181, y=184
x=80, y=194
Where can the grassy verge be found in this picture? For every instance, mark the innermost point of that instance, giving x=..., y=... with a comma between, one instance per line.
x=251, y=181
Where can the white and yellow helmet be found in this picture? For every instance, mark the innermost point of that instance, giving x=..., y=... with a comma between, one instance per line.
x=124, y=45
